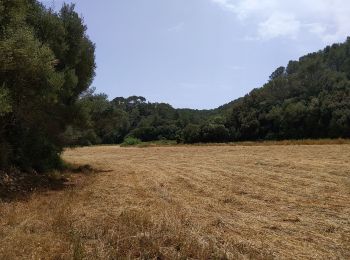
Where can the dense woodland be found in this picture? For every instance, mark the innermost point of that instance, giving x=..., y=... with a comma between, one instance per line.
x=47, y=66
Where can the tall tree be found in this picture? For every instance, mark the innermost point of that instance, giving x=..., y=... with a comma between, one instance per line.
x=46, y=62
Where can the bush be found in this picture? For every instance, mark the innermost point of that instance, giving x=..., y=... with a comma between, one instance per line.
x=191, y=134
x=145, y=134
x=215, y=133
x=129, y=141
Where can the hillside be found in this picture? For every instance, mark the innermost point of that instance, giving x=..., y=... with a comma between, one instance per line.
x=309, y=98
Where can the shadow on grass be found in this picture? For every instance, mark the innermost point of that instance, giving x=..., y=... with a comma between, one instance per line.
x=17, y=185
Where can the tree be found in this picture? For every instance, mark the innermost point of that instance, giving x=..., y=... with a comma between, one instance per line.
x=215, y=133
x=40, y=80
x=191, y=134
x=279, y=72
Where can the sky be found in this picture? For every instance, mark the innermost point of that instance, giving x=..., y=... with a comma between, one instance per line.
x=203, y=53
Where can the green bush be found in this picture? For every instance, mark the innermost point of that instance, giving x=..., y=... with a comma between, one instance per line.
x=129, y=141
x=191, y=134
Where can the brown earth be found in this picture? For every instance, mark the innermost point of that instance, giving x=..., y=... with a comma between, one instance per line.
x=201, y=202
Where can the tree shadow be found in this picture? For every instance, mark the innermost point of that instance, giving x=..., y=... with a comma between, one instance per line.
x=16, y=185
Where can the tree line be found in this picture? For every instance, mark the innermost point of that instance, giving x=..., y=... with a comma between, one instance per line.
x=310, y=98
x=110, y=122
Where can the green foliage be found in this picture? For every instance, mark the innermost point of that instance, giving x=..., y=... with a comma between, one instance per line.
x=112, y=121
x=278, y=73
x=128, y=141
x=46, y=62
x=214, y=133
x=191, y=133
x=5, y=104
x=308, y=99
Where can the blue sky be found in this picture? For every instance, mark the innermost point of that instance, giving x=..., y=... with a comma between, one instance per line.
x=203, y=53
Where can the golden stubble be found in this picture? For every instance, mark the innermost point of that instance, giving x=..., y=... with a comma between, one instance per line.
x=201, y=202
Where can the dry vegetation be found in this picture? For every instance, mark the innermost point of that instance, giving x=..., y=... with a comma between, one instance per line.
x=236, y=202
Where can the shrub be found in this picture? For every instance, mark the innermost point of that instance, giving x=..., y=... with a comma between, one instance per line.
x=130, y=140
x=191, y=134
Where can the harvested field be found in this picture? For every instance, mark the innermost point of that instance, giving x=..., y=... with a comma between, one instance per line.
x=202, y=202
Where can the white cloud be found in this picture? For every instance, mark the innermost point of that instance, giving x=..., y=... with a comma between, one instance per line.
x=279, y=25
x=176, y=28
x=329, y=20
x=246, y=8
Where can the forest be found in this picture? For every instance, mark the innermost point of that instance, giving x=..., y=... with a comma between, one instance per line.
x=46, y=102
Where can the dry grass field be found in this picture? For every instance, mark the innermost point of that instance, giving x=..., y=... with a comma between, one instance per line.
x=189, y=202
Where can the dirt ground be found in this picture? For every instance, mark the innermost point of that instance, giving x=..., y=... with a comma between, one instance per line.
x=181, y=202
